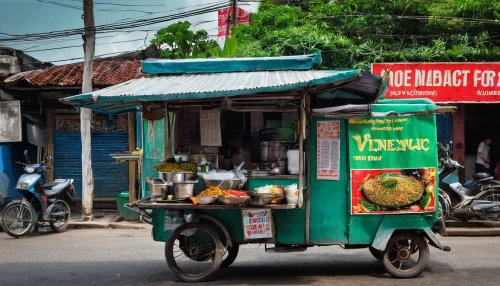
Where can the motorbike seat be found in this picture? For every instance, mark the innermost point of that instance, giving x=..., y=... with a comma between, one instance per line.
x=54, y=188
x=481, y=176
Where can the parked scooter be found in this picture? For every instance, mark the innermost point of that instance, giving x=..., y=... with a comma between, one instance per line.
x=42, y=203
x=461, y=203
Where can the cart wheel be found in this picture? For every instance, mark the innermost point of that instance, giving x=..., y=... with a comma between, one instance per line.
x=230, y=256
x=194, y=252
x=406, y=255
x=376, y=253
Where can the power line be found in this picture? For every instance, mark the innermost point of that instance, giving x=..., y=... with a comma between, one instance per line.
x=124, y=5
x=96, y=9
x=177, y=9
x=113, y=27
x=79, y=46
x=107, y=54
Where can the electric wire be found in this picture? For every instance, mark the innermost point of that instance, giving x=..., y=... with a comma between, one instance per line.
x=112, y=27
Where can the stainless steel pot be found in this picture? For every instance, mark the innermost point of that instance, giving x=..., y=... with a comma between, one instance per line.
x=177, y=177
x=158, y=188
x=272, y=151
x=184, y=190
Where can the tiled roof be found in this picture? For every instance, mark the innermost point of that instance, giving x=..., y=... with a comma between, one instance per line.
x=105, y=72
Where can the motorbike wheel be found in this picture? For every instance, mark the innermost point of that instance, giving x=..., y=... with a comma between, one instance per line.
x=493, y=197
x=194, y=252
x=61, y=210
x=442, y=210
x=18, y=219
x=399, y=256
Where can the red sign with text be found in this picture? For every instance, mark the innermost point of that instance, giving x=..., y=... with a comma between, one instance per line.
x=442, y=82
x=242, y=17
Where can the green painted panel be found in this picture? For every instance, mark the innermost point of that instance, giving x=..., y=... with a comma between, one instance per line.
x=232, y=221
x=159, y=232
x=362, y=229
x=153, y=142
x=328, y=220
x=290, y=226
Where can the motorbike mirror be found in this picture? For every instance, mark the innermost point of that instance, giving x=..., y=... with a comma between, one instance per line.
x=48, y=158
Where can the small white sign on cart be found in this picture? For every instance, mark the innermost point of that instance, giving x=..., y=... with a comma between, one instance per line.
x=257, y=223
x=328, y=150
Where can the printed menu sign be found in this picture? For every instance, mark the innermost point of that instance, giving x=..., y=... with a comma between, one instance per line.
x=210, y=127
x=328, y=150
x=257, y=223
x=393, y=164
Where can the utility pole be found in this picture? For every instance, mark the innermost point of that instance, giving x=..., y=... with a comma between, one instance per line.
x=233, y=14
x=85, y=113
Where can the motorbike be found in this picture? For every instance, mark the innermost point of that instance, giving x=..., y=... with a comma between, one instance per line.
x=464, y=203
x=42, y=203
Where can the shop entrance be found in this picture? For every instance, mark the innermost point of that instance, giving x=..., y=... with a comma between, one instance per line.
x=481, y=121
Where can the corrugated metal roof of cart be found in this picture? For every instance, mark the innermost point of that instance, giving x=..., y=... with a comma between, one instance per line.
x=211, y=78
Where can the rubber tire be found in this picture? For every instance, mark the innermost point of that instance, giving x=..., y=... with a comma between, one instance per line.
x=443, y=209
x=63, y=228
x=33, y=219
x=217, y=260
x=231, y=257
x=376, y=253
x=423, y=249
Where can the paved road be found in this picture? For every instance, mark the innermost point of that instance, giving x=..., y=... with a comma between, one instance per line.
x=130, y=257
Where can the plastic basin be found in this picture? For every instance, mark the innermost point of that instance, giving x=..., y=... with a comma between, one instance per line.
x=125, y=213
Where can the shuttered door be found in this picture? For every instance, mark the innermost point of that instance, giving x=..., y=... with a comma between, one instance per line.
x=109, y=177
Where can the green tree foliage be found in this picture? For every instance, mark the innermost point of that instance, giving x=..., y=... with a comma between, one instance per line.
x=356, y=33
x=177, y=41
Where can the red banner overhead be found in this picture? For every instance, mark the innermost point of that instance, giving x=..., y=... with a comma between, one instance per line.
x=242, y=17
x=442, y=82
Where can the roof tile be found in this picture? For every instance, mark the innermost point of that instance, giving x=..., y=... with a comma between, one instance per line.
x=106, y=72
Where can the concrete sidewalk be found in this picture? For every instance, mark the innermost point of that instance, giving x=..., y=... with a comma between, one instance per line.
x=473, y=228
x=105, y=219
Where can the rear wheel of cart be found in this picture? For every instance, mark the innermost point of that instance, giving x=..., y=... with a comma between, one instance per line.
x=230, y=256
x=194, y=252
x=406, y=255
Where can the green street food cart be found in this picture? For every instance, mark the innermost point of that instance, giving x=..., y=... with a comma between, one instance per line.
x=367, y=166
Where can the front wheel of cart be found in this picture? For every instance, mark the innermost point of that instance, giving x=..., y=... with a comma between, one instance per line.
x=230, y=256
x=406, y=255
x=194, y=252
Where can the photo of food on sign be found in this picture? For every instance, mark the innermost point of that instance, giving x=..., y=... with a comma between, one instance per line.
x=393, y=191
x=328, y=129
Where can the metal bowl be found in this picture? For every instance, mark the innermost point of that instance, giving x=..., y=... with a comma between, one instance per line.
x=278, y=171
x=176, y=177
x=184, y=190
x=223, y=184
x=265, y=199
x=204, y=200
x=234, y=200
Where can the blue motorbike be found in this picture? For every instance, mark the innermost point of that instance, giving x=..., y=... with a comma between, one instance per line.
x=42, y=203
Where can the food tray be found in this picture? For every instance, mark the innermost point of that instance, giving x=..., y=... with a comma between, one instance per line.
x=234, y=200
x=265, y=199
x=259, y=173
x=205, y=200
